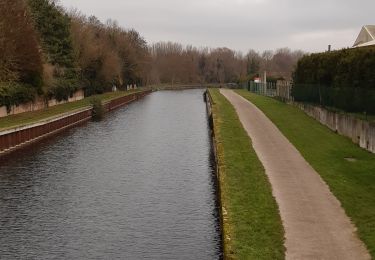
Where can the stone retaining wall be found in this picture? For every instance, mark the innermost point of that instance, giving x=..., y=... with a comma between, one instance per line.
x=360, y=131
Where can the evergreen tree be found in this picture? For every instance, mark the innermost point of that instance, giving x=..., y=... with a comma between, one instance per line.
x=53, y=26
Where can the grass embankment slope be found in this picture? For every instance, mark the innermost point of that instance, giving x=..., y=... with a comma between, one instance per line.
x=252, y=224
x=35, y=116
x=353, y=183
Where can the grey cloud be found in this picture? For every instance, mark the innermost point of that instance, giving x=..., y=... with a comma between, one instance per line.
x=239, y=24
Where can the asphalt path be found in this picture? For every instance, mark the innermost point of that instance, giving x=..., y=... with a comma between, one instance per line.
x=316, y=226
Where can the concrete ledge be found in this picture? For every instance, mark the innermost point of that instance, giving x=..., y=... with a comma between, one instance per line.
x=208, y=100
x=44, y=121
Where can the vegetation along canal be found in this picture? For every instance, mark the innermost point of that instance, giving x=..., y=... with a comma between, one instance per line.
x=138, y=185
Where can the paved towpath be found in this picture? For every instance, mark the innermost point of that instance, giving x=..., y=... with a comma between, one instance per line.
x=316, y=226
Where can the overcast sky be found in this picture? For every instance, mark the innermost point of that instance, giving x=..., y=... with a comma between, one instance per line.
x=309, y=25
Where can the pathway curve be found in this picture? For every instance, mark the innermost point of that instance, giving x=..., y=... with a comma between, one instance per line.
x=316, y=226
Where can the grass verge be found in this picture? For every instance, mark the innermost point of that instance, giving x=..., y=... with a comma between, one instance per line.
x=35, y=116
x=252, y=227
x=352, y=182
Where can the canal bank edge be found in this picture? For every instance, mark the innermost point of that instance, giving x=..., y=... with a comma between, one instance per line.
x=18, y=137
x=251, y=223
x=208, y=100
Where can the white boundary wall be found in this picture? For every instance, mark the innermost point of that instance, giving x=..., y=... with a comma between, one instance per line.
x=39, y=104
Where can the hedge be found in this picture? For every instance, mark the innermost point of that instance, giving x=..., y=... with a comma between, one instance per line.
x=14, y=94
x=343, y=79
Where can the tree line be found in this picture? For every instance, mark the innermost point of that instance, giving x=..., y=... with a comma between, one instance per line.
x=51, y=52
x=174, y=63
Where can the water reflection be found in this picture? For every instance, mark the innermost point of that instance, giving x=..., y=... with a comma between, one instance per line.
x=138, y=185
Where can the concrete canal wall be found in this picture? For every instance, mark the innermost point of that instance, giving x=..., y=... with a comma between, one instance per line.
x=208, y=100
x=14, y=138
x=359, y=131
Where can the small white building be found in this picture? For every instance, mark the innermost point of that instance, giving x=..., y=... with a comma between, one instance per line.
x=366, y=36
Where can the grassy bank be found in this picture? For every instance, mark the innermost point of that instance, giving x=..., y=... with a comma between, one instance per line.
x=35, y=116
x=252, y=225
x=352, y=182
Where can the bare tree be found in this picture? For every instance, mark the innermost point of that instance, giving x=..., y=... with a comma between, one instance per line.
x=20, y=57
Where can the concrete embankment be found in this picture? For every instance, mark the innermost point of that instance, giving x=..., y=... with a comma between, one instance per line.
x=251, y=227
x=17, y=137
x=208, y=100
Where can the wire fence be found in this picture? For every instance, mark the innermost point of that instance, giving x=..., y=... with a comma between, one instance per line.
x=281, y=89
x=350, y=99
x=323, y=104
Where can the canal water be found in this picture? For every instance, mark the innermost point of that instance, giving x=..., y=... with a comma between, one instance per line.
x=137, y=185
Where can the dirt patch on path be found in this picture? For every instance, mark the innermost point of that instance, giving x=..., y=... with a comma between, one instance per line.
x=316, y=226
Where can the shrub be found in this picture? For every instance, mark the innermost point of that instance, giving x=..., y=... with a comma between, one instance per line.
x=98, y=110
x=343, y=79
x=53, y=26
x=13, y=94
